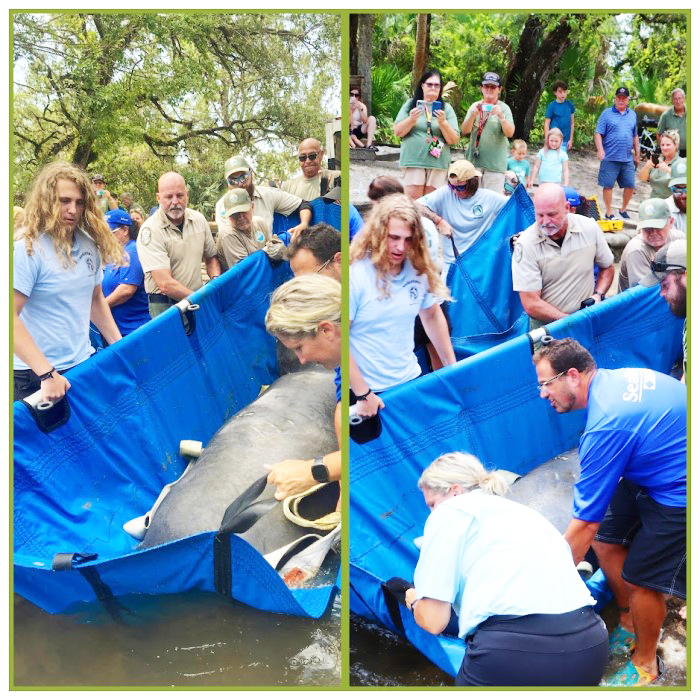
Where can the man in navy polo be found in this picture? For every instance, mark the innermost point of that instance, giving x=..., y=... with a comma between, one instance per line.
x=617, y=144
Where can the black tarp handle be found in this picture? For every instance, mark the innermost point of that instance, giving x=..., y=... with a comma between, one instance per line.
x=48, y=415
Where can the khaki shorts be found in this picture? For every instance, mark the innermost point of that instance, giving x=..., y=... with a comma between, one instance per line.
x=428, y=177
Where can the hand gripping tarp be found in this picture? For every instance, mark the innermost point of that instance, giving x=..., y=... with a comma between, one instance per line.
x=486, y=310
x=487, y=405
x=323, y=211
x=130, y=406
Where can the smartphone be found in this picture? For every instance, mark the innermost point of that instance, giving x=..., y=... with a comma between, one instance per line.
x=437, y=105
x=655, y=158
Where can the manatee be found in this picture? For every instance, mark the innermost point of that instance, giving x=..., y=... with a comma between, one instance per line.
x=549, y=488
x=293, y=419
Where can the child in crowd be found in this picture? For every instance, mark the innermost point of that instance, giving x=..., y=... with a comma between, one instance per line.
x=517, y=161
x=560, y=115
x=551, y=163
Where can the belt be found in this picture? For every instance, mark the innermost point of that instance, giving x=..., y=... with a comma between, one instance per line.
x=160, y=299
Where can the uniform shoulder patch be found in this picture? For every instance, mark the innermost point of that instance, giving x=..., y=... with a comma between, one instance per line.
x=145, y=236
x=518, y=252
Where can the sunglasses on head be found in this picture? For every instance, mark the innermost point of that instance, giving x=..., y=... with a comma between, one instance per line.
x=459, y=188
x=311, y=156
x=235, y=179
x=664, y=267
x=677, y=189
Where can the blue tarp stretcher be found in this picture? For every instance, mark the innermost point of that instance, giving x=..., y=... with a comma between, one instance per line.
x=488, y=405
x=487, y=311
x=130, y=406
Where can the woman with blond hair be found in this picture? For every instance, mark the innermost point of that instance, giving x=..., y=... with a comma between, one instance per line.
x=304, y=315
x=524, y=611
x=57, y=274
x=392, y=280
x=657, y=170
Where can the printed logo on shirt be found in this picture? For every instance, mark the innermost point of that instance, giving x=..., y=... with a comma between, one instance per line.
x=638, y=381
x=478, y=211
x=259, y=236
x=89, y=261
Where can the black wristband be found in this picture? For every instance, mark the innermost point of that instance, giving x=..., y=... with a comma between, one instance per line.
x=363, y=397
x=47, y=375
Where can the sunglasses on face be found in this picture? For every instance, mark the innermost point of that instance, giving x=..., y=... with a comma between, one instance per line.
x=354, y=94
x=311, y=156
x=458, y=188
x=678, y=189
x=432, y=85
x=235, y=179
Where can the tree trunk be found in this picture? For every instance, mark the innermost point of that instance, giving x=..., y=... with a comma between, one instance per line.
x=365, y=27
x=534, y=63
x=353, y=44
x=420, y=59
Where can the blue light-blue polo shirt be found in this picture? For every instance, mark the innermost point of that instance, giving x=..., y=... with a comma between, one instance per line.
x=618, y=130
x=636, y=429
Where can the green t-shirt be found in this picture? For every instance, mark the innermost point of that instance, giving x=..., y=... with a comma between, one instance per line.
x=493, y=146
x=670, y=120
x=414, y=146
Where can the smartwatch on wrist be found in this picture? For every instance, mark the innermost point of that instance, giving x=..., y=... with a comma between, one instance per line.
x=319, y=471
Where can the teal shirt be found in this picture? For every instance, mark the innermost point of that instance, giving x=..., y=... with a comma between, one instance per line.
x=520, y=167
x=414, y=146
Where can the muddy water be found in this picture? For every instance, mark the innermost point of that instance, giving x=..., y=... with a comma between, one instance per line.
x=379, y=657
x=190, y=639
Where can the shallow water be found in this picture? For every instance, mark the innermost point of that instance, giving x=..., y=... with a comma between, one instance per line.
x=189, y=639
x=378, y=657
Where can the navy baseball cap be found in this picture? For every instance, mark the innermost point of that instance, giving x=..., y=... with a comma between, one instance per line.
x=116, y=218
x=622, y=91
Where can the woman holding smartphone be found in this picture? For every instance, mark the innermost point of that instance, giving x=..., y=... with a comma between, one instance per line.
x=657, y=170
x=427, y=128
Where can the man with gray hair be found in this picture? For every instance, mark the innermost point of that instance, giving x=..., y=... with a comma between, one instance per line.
x=172, y=244
x=655, y=230
x=674, y=118
x=553, y=260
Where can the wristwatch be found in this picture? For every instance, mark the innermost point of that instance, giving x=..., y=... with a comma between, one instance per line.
x=319, y=471
x=47, y=375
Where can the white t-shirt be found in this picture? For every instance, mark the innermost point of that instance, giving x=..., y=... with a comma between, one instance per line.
x=381, y=334
x=488, y=556
x=469, y=218
x=57, y=310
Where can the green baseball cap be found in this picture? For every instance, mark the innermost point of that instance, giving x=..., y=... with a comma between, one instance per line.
x=235, y=164
x=679, y=169
x=653, y=213
x=235, y=201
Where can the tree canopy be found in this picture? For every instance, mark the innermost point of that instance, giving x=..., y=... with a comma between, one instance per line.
x=133, y=94
x=592, y=52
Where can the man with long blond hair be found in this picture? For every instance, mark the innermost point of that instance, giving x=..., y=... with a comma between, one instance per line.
x=57, y=275
x=392, y=280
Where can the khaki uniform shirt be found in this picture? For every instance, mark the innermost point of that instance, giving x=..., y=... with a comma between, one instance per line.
x=563, y=275
x=162, y=246
x=234, y=245
x=634, y=263
x=680, y=221
x=266, y=201
x=309, y=189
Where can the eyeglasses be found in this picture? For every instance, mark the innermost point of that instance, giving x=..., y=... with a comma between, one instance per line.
x=678, y=189
x=311, y=156
x=325, y=265
x=354, y=94
x=432, y=85
x=458, y=188
x=236, y=179
x=547, y=382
